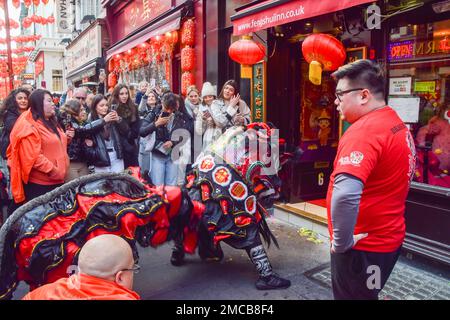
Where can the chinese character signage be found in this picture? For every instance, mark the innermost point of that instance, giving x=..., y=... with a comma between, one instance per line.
x=135, y=15
x=258, y=92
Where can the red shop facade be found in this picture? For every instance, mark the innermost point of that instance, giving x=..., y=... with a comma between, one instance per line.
x=158, y=41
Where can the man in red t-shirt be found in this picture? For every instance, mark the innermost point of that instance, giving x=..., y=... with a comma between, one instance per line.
x=366, y=196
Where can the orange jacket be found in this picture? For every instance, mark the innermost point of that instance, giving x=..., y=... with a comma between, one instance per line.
x=25, y=156
x=82, y=287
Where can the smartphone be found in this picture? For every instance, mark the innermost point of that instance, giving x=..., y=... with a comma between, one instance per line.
x=152, y=83
x=114, y=107
x=165, y=114
x=207, y=114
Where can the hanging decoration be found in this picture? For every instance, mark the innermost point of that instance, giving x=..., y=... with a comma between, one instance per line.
x=323, y=52
x=187, y=59
x=27, y=3
x=112, y=80
x=12, y=24
x=27, y=21
x=16, y=3
x=246, y=51
x=22, y=39
x=187, y=79
x=188, y=33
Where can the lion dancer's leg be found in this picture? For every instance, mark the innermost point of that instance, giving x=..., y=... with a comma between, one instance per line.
x=267, y=278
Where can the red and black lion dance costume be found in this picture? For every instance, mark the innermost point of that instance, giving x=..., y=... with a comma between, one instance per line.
x=224, y=200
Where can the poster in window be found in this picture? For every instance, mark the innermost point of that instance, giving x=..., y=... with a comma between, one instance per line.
x=407, y=108
x=400, y=86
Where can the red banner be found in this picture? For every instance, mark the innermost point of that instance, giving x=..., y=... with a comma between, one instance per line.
x=285, y=13
x=39, y=64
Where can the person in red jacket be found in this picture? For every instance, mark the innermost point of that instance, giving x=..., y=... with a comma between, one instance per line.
x=366, y=196
x=37, y=154
x=106, y=272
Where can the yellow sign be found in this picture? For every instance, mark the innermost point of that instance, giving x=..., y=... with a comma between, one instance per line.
x=425, y=86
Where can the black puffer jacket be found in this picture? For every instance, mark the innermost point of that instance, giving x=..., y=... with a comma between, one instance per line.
x=130, y=137
x=77, y=147
x=97, y=155
x=162, y=133
x=9, y=120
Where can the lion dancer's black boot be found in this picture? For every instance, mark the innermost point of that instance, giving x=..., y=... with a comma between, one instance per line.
x=177, y=258
x=267, y=278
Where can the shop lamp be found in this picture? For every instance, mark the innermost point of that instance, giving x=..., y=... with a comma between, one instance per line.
x=247, y=53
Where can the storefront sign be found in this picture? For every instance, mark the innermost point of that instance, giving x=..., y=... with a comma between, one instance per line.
x=63, y=17
x=354, y=54
x=400, y=86
x=258, y=92
x=85, y=49
x=408, y=50
x=135, y=15
x=425, y=86
x=265, y=15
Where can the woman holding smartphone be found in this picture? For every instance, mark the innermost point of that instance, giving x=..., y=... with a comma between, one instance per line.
x=229, y=109
x=164, y=120
x=105, y=151
x=205, y=125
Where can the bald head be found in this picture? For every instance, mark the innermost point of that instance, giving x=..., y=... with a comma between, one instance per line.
x=80, y=92
x=104, y=256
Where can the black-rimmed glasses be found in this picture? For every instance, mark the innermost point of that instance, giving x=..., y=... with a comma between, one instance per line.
x=339, y=94
x=136, y=268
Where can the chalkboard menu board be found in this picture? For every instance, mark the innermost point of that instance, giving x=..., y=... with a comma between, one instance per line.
x=258, y=104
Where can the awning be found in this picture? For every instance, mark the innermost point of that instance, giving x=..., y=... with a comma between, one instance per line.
x=167, y=24
x=87, y=70
x=277, y=12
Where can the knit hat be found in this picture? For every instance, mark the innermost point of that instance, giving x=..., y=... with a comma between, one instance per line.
x=209, y=90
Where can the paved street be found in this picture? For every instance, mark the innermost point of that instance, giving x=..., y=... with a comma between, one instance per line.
x=302, y=261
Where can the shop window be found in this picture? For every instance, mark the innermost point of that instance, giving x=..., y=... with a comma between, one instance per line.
x=57, y=81
x=419, y=68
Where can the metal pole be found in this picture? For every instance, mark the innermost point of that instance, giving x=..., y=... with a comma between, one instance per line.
x=8, y=46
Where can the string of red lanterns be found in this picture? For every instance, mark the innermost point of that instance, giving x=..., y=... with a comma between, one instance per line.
x=27, y=3
x=141, y=55
x=187, y=55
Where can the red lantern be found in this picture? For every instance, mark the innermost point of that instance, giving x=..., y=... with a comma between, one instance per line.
x=246, y=51
x=27, y=3
x=174, y=37
x=44, y=1
x=111, y=65
x=188, y=33
x=36, y=2
x=322, y=52
x=187, y=79
x=112, y=79
x=16, y=3
x=51, y=19
x=187, y=59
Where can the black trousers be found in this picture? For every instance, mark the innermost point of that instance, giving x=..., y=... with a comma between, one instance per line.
x=32, y=190
x=360, y=275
